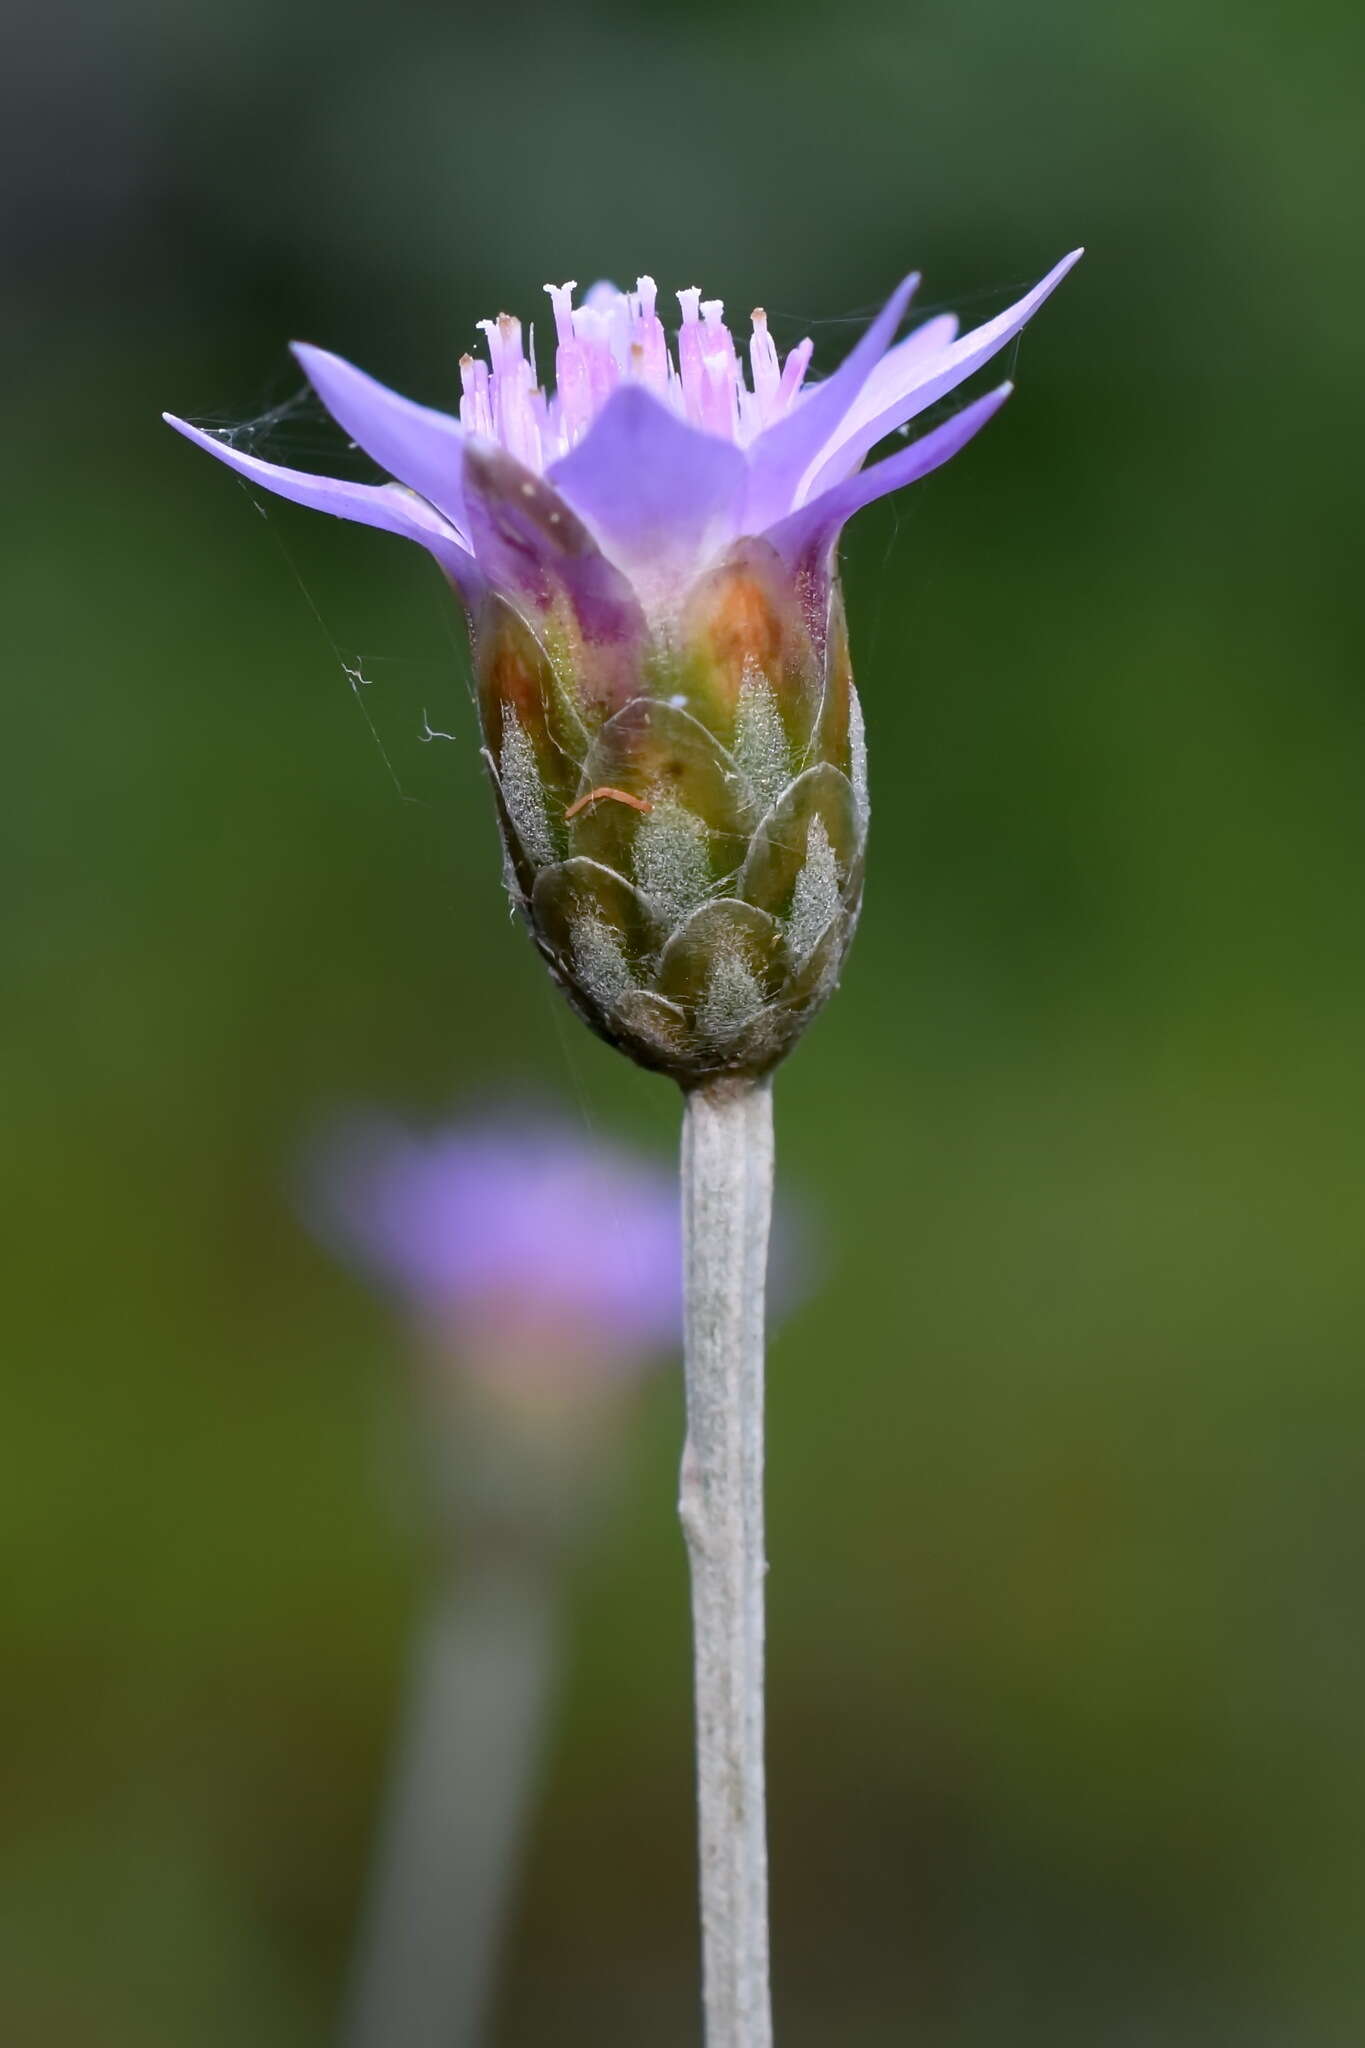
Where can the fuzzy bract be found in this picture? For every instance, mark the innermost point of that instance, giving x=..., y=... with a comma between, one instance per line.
x=646, y=555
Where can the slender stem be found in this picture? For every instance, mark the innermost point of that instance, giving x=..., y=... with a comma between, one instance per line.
x=448, y=1850
x=727, y=1171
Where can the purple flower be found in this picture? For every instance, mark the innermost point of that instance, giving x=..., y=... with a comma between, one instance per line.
x=526, y=1244
x=666, y=457
x=647, y=560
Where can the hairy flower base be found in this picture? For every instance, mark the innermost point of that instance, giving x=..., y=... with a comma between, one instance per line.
x=690, y=864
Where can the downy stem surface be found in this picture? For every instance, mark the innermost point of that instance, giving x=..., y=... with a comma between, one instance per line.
x=727, y=1172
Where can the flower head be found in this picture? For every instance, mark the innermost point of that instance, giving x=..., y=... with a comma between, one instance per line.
x=529, y=1247
x=646, y=553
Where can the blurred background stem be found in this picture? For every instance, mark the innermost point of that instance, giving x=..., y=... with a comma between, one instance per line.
x=481, y=1677
x=727, y=1172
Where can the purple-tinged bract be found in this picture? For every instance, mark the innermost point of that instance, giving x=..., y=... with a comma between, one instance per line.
x=646, y=555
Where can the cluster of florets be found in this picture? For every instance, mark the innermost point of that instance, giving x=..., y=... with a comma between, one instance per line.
x=617, y=337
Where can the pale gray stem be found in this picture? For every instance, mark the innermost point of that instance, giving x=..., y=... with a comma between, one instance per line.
x=727, y=1172
x=461, y=1780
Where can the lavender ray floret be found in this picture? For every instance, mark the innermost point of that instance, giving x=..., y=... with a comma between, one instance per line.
x=779, y=457
x=661, y=496
x=889, y=400
x=535, y=550
x=804, y=538
x=390, y=507
x=417, y=445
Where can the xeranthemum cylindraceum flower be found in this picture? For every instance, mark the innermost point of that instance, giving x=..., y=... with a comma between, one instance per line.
x=535, y=1249
x=647, y=560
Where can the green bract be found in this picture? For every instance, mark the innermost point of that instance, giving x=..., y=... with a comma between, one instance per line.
x=690, y=864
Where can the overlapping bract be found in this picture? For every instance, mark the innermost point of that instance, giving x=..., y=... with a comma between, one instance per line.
x=646, y=557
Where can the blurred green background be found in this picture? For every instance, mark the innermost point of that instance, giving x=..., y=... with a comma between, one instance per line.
x=1068, y=1456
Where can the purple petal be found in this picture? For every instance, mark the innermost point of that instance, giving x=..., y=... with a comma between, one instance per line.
x=900, y=363
x=388, y=506
x=536, y=551
x=805, y=536
x=887, y=405
x=422, y=448
x=779, y=457
x=659, y=495
x=516, y=1226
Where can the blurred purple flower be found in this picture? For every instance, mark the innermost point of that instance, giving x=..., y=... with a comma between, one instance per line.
x=526, y=1241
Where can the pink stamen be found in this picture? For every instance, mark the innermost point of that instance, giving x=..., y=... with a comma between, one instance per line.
x=475, y=414
x=614, y=336
x=763, y=365
x=721, y=367
x=793, y=370
x=691, y=369
x=573, y=390
x=561, y=298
